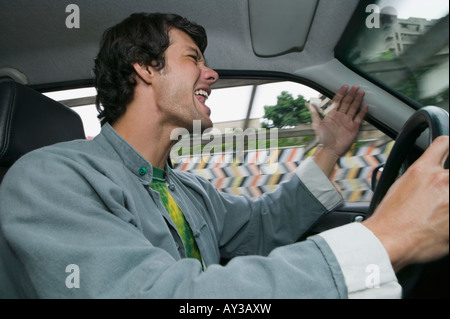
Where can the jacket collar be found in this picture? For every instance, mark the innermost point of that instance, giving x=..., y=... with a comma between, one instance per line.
x=130, y=157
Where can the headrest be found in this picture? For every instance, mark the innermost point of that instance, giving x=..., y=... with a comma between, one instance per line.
x=30, y=120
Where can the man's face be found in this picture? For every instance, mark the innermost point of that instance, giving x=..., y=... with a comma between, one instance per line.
x=184, y=84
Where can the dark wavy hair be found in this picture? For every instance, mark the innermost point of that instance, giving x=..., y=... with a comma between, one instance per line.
x=141, y=38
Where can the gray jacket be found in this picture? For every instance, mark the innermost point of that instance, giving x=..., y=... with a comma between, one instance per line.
x=80, y=220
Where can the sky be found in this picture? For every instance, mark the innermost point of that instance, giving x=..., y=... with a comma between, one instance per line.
x=428, y=9
x=232, y=104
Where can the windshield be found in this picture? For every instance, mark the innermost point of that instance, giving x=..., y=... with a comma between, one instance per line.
x=403, y=46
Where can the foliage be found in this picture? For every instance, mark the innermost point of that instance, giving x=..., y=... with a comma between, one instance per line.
x=288, y=112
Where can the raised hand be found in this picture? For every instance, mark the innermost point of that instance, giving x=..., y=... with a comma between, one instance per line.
x=339, y=128
x=337, y=131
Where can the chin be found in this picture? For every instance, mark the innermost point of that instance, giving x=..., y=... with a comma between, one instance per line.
x=206, y=124
x=198, y=126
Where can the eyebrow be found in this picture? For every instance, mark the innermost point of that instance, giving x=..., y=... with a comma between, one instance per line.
x=194, y=50
x=198, y=53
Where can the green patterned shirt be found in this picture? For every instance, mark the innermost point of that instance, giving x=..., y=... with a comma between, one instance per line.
x=159, y=185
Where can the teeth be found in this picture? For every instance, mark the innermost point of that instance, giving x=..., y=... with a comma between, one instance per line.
x=202, y=92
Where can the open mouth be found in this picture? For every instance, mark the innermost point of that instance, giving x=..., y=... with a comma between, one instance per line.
x=201, y=95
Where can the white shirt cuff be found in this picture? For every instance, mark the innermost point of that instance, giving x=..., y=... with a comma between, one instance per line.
x=319, y=184
x=364, y=262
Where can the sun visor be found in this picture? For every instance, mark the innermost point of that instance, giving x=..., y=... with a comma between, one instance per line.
x=279, y=27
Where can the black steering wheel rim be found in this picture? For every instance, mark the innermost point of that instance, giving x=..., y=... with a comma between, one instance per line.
x=437, y=120
x=432, y=117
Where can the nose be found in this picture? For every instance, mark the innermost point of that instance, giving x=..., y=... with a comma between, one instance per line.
x=210, y=75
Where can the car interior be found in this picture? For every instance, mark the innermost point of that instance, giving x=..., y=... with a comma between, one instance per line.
x=49, y=46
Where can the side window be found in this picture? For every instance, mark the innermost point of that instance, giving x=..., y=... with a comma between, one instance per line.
x=262, y=132
x=81, y=101
x=276, y=115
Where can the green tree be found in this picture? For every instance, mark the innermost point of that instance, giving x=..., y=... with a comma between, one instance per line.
x=287, y=112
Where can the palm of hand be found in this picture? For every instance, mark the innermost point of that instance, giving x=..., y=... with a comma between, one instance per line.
x=339, y=128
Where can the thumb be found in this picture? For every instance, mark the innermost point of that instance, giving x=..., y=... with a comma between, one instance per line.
x=314, y=113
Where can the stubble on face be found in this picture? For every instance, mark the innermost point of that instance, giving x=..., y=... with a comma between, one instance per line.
x=177, y=83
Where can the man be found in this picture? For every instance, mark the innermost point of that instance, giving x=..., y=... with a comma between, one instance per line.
x=112, y=210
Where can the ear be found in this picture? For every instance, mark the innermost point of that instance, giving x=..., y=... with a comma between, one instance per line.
x=145, y=72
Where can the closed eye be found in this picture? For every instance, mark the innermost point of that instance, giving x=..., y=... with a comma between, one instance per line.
x=195, y=57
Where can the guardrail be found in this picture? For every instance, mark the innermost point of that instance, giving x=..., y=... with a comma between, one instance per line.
x=260, y=171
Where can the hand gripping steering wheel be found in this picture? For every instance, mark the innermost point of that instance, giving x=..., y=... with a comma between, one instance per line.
x=432, y=117
x=437, y=120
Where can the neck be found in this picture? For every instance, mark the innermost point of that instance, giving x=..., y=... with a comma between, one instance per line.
x=150, y=139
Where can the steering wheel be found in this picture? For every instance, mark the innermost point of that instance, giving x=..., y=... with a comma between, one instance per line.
x=432, y=117
x=437, y=120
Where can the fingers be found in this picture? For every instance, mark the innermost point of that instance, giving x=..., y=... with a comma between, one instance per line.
x=337, y=99
x=438, y=151
x=350, y=101
x=361, y=114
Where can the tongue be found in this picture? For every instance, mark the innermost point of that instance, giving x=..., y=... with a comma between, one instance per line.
x=201, y=98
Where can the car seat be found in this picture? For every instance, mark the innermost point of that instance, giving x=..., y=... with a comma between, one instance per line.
x=28, y=120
